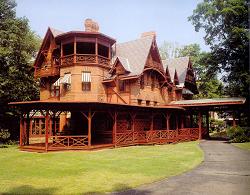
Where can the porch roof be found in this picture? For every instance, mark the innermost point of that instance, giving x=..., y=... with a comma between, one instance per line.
x=80, y=105
x=209, y=102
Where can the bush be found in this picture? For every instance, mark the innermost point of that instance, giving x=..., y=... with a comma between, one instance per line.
x=238, y=134
x=4, y=135
x=216, y=125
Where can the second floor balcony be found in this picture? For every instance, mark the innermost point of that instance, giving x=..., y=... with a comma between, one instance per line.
x=84, y=59
x=47, y=71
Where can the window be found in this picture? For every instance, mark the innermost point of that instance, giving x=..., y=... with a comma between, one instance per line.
x=139, y=102
x=85, y=48
x=86, y=81
x=152, y=82
x=103, y=50
x=68, y=49
x=66, y=81
x=54, y=91
x=147, y=103
x=142, y=82
x=122, y=85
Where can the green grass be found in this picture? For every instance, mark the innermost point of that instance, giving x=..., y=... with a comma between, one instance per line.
x=93, y=171
x=245, y=145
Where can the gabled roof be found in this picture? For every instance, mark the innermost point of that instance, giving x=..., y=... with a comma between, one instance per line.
x=134, y=53
x=178, y=64
x=125, y=63
x=55, y=32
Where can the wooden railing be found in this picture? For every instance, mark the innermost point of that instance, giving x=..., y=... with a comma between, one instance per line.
x=47, y=71
x=69, y=60
x=156, y=136
x=69, y=141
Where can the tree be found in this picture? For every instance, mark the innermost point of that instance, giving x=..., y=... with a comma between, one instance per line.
x=226, y=26
x=208, y=86
x=169, y=50
x=18, y=46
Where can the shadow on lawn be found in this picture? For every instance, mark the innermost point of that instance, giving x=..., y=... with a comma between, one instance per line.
x=27, y=189
x=122, y=189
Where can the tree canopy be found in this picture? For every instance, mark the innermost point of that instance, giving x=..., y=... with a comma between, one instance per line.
x=18, y=47
x=225, y=23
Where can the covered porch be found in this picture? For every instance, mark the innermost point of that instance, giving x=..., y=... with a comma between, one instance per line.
x=91, y=125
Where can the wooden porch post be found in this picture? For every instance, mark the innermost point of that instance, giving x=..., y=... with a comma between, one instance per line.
x=133, y=125
x=199, y=123
x=191, y=120
x=167, y=120
x=74, y=58
x=28, y=128
x=152, y=122
x=96, y=50
x=207, y=123
x=21, y=131
x=46, y=131
x=176, y=122
x=182, y=121
x=89, y=128
x=234, y=122
x=114, y=128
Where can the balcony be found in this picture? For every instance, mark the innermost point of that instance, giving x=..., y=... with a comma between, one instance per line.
x=47, y=71
x=84, y=59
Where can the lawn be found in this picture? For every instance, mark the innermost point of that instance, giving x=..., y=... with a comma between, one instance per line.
x=245, y=145
x=89, y=172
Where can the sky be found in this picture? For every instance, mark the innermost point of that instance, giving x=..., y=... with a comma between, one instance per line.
x=123, y=20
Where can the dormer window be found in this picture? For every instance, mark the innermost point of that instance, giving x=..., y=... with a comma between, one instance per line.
x=86, y=81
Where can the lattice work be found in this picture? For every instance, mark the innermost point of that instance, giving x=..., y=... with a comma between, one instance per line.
x=140, y=136
x=194, y=133
x=69, y=141
x=184, y=134
x=153, y=136
x=125, y=138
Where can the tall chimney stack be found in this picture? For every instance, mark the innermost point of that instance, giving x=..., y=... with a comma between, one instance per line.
x=91, y=25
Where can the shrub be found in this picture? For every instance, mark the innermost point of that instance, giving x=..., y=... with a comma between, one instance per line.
x=238, y=134
x=4, y=135
x=216, y=125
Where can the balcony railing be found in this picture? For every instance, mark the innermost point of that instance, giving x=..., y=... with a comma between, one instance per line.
x=84, y=59
x=47, y=71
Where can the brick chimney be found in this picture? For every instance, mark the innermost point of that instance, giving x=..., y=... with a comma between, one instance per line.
x=150, y=33
x=91, y=25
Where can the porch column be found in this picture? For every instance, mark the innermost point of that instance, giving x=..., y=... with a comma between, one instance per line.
x=234, y=122
x=114, y=128
x=133, y=125
x=28, y=129
x=182, y=121
x=74, y=58
x=207, y=123
x=167, y=120
x=152, y=122
x=89, y=128
x=191, y=120
x=21, y=131
x=96, y=50
x=46, y=131
x=176, y=122
x=199, y=123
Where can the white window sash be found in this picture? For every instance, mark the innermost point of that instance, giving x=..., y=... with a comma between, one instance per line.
x=86, y=77
x=66, y=79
